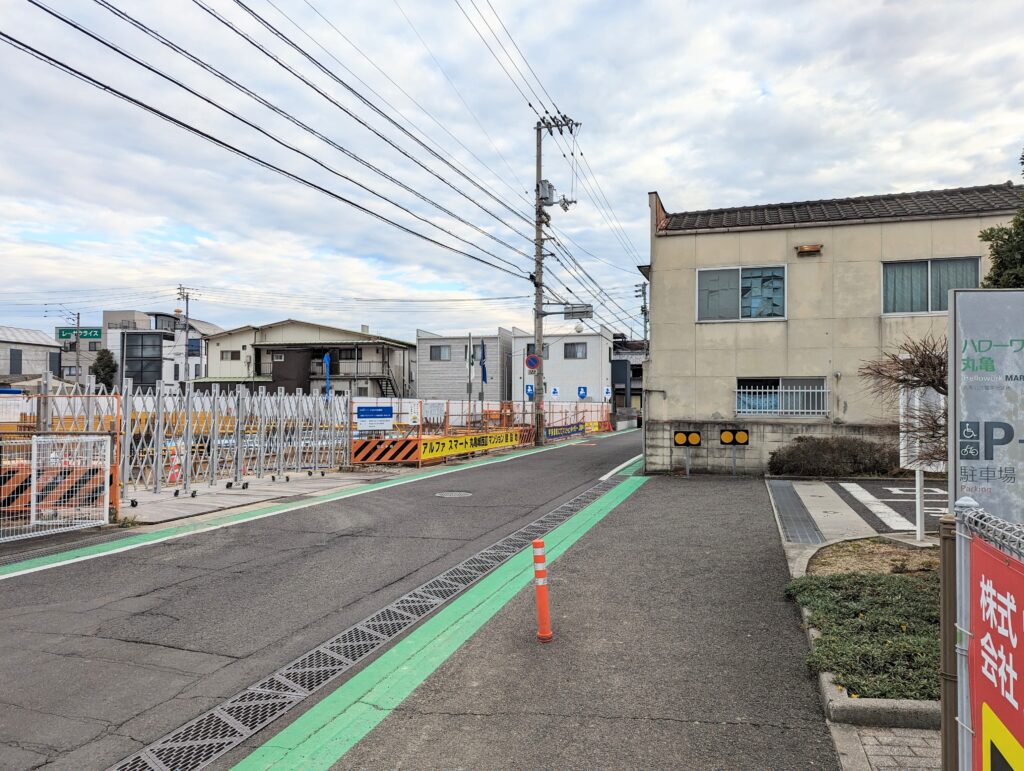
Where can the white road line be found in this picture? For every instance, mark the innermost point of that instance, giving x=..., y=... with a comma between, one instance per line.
x=619, y=468
x=889, y=516
x=833, y=516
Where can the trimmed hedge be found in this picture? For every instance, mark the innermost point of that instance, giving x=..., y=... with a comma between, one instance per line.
x=839, y=456
x=879, y=632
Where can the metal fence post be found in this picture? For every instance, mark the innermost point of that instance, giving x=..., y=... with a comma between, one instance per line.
x=158, y=439
x=106, y=486
x=316, y=407
x=348, y=432
x=213, y=435
x=947, y=635
x=188, y=436
x=239, y=454
x=261, y=428
x=280, y=431
x=963, y=624
x=34, y=481
x=125, y=440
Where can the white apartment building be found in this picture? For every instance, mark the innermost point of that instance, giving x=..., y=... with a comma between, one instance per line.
x=445, y=370
x=577, y=365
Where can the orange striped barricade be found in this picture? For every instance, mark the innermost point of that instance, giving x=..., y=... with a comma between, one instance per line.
x=540, y=584
x=386, y=450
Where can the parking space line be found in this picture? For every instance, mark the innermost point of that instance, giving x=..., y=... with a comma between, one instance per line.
x=889, y=516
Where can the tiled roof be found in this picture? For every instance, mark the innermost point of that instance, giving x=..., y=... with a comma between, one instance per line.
x=27, y=337
x=955, y=202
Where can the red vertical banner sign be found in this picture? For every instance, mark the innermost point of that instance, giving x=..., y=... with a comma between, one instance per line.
x=996, y=658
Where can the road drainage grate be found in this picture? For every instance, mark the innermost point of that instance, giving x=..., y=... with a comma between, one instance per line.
x=207, y=737
x=453, y=494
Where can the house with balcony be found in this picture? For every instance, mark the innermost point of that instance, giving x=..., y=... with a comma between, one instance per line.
x=761, y=316
x=311, y=358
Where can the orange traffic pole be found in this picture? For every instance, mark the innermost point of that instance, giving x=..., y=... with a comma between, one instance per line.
x=540, y=582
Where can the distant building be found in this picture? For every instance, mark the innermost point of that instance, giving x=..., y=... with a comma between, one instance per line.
x=290, y=354
x=628, y=372
x=444, y=369
x=154, y=346
x=25, y=355
x=761, y=316
x=574, y=361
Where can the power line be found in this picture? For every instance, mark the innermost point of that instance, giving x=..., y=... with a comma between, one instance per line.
x=409, y=96
x=78, y=27
x=291, y=118
x=68, y=69
x=443, y=72
x=329, y=73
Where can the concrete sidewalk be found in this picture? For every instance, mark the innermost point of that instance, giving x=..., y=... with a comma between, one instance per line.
x=674, y=648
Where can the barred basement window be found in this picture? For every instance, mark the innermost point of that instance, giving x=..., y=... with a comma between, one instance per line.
x=784, y=397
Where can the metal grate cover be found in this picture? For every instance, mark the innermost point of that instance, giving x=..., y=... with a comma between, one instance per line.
x=200, y=741
x=453, y=494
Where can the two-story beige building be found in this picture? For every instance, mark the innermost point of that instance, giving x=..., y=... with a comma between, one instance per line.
x=761, y=316
x=290, y=354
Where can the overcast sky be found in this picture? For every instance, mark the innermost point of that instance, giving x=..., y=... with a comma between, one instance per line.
x=712, y=104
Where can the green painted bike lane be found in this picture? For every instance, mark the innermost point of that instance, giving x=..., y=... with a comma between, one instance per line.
x=179, y=531
x=324, y=733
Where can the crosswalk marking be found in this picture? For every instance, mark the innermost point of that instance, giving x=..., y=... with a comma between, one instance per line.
x=889, y=516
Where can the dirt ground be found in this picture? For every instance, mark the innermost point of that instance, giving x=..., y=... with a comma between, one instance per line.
x=873, y=555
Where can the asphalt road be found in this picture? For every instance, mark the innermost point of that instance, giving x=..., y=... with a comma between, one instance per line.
x=100, y=658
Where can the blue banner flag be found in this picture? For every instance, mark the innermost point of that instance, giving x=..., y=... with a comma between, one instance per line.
x=327, y=374
x=483, y=361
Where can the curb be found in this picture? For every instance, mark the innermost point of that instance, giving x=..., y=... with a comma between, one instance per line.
x=840, y=707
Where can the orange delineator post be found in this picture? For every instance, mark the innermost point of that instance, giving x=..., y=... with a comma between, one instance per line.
x=540, y=583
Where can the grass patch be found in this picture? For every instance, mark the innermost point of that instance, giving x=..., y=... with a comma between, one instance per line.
x=879, y=632
x=873, y=555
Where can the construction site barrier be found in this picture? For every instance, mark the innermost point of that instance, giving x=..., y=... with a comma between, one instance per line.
x=386, y=450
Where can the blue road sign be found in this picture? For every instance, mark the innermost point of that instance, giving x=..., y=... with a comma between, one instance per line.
x=374, y=412
x=529, y=390
x=581, y=392
x=554, y=392
x=532, y=361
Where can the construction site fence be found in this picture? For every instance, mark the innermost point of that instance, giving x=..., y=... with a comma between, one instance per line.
x=53, y=483
x=181, y=439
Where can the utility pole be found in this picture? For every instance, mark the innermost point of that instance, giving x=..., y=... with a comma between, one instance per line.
x=78, y=348
x=544, y=196
x=184, y=295
x=641, y=292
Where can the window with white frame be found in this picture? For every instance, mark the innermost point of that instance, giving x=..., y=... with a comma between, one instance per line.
x=725, y=294
x=230, y=355
x=575, y=351
x=782, y=396
x=438, y=353
x=922, y=286
x=277, y=357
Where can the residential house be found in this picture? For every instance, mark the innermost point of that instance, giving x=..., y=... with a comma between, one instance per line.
x=627, y=372
x=290, y=354
x=761, y=316
x=444, y=369
x=152, y=346
x=25, y=356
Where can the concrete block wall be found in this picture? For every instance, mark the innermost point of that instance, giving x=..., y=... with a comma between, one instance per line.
x=765, y=437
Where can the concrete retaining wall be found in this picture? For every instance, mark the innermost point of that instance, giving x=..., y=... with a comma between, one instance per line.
x=765, y=438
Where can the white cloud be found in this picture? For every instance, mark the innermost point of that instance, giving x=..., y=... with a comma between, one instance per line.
x=710, y=105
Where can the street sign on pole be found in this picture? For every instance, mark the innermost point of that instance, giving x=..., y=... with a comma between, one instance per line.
x=532, y=361
x=529, y=391
x=578, y=312
x=986, y=423
x=84, y=333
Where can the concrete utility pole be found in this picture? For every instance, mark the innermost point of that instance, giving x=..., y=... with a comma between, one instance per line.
x=544, y=196
x=78, y=348
x=184, y=295
x=641, y=292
